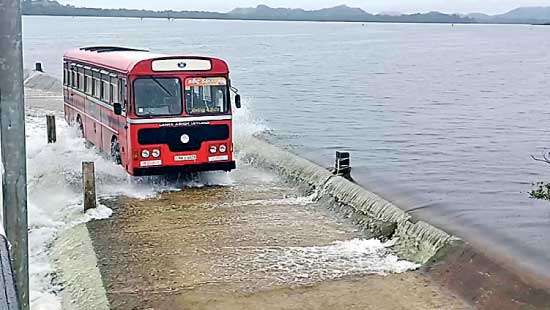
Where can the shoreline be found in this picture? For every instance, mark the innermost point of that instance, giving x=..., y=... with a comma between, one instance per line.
x=294, y=20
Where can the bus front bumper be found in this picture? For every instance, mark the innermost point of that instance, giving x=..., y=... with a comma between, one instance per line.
x=171, y=170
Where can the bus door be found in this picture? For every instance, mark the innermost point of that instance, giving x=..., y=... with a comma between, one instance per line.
x=121, y=96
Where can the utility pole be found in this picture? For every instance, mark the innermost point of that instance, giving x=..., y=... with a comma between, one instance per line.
x=12, y=135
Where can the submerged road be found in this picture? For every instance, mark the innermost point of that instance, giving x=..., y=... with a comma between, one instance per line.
x=255, y=244
x=246, y=240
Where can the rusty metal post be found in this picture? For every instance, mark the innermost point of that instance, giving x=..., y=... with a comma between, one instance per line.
x=50, y=127
x=88, y=183
x=38, y=67
x=12, y=134
x=342, y=166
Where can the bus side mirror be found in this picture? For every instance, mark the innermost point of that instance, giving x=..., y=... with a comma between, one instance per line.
x=238, y=101
x=117, y=107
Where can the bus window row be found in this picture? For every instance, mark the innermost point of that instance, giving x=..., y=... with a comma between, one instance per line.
x=95, y=82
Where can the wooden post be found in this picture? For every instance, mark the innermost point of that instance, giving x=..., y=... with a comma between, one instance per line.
x=50, y=124
x=88, y=181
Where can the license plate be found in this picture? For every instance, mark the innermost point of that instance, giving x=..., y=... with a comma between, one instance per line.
x=185, y=158
x=218, y=158
x=149, y=163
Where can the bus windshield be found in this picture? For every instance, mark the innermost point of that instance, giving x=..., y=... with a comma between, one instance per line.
x=157, y=96
x=206, y=95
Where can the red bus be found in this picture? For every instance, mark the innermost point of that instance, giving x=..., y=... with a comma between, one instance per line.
x=154, y=114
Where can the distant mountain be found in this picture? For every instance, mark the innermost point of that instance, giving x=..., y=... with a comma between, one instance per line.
x=390, y=13
x=342, y=13
x=479, y=16
x=53, y=8
x=338, y=13
x=527, y=13
x=523, y=15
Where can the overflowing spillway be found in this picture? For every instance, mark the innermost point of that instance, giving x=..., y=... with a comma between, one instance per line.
x=55, y=207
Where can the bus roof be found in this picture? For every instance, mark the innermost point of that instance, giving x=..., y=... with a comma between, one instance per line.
x=126, y=59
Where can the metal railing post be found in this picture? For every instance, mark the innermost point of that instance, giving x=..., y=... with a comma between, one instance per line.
x=12, y=134
x=342, y=166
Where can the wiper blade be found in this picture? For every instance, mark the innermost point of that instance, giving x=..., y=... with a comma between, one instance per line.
x=162, y=86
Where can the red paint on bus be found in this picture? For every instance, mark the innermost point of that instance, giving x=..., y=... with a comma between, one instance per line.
x=154, y=114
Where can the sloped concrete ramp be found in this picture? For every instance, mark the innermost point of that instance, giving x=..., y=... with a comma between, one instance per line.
x=255, y=244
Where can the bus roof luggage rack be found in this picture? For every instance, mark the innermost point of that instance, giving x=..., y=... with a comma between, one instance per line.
x=105, y=49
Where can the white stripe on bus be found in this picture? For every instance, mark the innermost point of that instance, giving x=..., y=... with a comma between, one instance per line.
x=179, y=119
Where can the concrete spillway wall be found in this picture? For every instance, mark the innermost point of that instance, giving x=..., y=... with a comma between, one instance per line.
x=417, y=241
x=76, y=263
x=448, y=260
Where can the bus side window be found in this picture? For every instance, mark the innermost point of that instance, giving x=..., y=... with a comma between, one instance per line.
x=122, y=91
x=88, y=86
x=84, y=81
x=105, y=88
x=80, y=79
x=111, y=93
x=93, y=87
x=73, y=82
x=101, y=89
x=97, y=84
x=76, y=78
x=113, y=90
x=65, y=74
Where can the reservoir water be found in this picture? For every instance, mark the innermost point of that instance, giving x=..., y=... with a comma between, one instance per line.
x=441, y=120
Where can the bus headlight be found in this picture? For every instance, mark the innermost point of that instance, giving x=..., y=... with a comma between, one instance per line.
x=155, y=153
x=145, y=154
x=223, y=148
x=213, y=149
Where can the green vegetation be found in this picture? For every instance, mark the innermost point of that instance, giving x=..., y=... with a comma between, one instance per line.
x=541, y=191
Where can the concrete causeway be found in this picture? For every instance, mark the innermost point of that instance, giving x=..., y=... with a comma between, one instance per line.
x=244, y=246
x=280, y=234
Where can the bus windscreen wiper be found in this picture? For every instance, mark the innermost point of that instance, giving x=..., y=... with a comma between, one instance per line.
x=162, y=86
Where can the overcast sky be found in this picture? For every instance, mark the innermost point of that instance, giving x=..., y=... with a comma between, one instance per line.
x=373, y=6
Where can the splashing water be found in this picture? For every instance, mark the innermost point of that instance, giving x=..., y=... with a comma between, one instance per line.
x=55, y=193
x=284, y=265
x=340, y=259
x=55, y=204
x=297, y=201
x=245, y=123
x=55, y=196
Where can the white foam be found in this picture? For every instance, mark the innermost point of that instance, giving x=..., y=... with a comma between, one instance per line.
x=55, y=195
x=297, y=201
x=55, y=204
x=337, y=260
x=246, y=124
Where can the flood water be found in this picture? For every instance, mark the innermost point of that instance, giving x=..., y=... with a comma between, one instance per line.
x=440, y=119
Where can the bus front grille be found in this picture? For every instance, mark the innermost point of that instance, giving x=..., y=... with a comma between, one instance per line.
x=171, y=136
